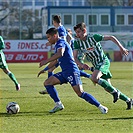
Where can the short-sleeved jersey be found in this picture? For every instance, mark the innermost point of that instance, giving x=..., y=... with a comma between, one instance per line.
x=66, y=62
x=62, y=34
x=92, y=48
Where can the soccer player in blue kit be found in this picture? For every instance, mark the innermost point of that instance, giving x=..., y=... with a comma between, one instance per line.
x=70, y=73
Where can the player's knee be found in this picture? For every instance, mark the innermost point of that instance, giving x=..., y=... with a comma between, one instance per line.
x=6, y=71
x=94, y=79
x=46, y=82
x=79, y=94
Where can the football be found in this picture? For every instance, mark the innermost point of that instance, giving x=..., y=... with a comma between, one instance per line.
x=12, y=108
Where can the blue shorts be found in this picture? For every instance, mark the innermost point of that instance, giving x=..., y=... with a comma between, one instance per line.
x=73, y=78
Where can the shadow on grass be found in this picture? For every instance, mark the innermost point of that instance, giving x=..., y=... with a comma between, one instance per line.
x=22, y=114
x=118, y=118
x=46, y=113
x=121, y=118
x=13, y=97
x=33, y=113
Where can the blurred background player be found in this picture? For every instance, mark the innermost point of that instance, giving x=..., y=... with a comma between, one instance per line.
x=4, y=66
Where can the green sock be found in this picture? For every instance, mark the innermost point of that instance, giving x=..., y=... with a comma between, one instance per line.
x=12, y=77
x=111, y=89
x=106, y=85
x=123, y=97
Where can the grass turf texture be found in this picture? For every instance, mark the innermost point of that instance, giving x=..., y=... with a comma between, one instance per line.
x=78, y=115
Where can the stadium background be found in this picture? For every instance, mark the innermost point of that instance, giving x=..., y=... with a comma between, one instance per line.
x=24, y=22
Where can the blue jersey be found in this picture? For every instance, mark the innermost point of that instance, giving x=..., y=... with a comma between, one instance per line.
x=72, y=44
x=62, y=32
x=66, y=62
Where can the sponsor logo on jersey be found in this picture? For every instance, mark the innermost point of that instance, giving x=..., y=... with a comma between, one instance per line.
x=90, y=49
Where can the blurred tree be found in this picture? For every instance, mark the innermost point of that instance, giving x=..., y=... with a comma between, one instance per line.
x=22, y=20
x=14, y=18
x=4, y=15
x=110, y=2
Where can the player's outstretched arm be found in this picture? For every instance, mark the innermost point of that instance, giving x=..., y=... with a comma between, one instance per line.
x=123, y=50
x=56, y=56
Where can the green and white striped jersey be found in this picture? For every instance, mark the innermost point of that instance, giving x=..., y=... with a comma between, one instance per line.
x=92, y=48
x=2, y=44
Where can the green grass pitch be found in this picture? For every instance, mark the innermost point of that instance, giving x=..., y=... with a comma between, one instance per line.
x=78, y=115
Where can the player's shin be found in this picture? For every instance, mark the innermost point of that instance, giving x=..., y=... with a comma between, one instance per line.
x=52, y=92
x=12, y=77
x=109, y=88
x=106, y=85
x=89, y=98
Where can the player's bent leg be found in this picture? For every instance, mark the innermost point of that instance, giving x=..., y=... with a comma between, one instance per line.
x=110, y=88
x=123, y=97
x=105, y=84
x=89, y=98
x=49, y=85
x=48, y=81
x=126, y=99
x=13, y=78
x=54, y=95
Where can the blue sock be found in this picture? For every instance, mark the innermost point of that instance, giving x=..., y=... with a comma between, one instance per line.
x=52, y=92
x=50, y=74
x=84, y=74
x=89, y=98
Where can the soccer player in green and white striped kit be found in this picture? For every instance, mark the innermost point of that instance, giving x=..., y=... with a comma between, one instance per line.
x=91, y=47
x=4, y=66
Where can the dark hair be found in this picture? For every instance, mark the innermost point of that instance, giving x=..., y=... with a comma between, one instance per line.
x=57, y=18
x=80, y=25
x=52, y=31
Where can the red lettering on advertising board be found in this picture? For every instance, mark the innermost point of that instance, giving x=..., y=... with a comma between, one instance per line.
x=9, y=57
x=13, y=57
x=8, y=45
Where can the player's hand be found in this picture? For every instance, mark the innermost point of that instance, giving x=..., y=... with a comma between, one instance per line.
x=44, y=62
x=124, y=51
x=42, y=71
x=85, y=67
